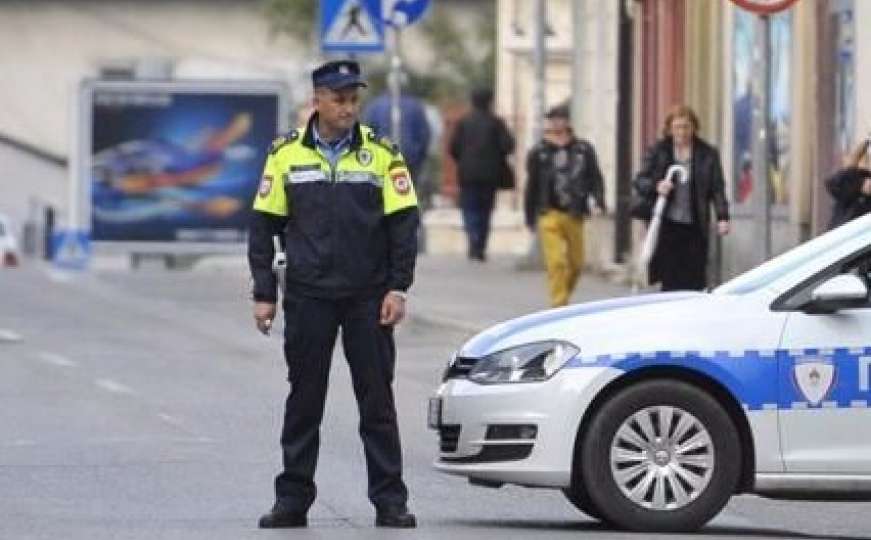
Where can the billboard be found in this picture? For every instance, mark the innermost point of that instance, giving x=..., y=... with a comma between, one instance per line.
x=175, y=163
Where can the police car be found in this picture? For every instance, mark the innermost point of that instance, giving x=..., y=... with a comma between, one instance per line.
x=649, y=412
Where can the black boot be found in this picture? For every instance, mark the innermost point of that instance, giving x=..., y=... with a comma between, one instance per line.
x=397, y=517
x=278, y=518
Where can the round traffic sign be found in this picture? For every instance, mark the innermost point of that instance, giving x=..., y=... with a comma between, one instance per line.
x=764, y=7
x=405, y=12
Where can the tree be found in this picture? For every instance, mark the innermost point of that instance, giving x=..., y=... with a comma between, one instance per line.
x=295, y=18
x=460, y=64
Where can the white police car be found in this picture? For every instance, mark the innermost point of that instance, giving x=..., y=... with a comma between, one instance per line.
x=649, y=412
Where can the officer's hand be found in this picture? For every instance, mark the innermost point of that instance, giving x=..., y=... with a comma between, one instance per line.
x=264, y=314
x=392, y=309
x=723, y=228
x=866, y=187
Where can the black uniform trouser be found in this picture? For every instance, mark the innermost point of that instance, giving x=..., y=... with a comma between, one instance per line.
x=311, y=328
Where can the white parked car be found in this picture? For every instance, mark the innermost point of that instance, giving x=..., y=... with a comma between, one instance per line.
x=649, y=412
x=8, y=246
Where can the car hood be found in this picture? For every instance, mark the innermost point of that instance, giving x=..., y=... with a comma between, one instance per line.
x=576, y=323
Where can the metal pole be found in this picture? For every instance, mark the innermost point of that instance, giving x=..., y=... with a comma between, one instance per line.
x=761, y=99
x=577, y=64
x=395, y=82
x=539, y=61
x=622, y=219
x=74, y=165
x=533, y=260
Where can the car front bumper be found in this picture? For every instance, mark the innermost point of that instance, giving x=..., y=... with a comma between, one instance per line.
x=521, y=433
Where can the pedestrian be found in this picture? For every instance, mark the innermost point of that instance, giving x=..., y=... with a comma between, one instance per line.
x=344, y=204
x=414, y=140
x=850, y=187
x=480, y=145
x=414, y=130
x=562, y=175
x=680, y=259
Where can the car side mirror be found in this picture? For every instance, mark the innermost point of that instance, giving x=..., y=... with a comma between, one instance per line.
x=843, y=291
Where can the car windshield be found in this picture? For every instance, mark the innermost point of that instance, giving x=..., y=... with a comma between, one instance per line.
x=772, y=270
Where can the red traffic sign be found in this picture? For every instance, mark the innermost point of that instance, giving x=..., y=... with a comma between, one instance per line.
x=764, y=7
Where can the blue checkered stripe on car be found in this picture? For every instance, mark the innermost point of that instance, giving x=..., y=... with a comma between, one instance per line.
x=761, y=379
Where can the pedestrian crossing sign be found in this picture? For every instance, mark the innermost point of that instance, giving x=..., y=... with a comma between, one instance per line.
x=352, y=26
x=71, y=249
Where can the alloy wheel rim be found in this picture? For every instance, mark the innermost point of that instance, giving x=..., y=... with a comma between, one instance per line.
x=662, y=458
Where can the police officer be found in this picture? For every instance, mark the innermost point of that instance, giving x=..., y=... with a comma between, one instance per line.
x=343, y=202
x=562, y=174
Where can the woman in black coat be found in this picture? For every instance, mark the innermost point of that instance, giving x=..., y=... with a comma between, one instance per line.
x=681, y=255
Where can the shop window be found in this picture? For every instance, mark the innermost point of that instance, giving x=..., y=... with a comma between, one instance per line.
x=779, y=105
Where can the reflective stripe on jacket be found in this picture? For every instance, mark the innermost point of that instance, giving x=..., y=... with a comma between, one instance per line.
x=348, y=230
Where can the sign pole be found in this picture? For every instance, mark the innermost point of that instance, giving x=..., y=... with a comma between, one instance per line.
x=395, y=83
x=761, y=101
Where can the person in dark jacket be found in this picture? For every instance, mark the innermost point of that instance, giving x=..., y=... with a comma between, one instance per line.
x=850, y=188
x=480, y=146
x=414, y=131
x=681, y=255
x=562, y=174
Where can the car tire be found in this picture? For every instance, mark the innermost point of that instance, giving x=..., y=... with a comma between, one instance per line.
x=580, y=500
x=660, y=456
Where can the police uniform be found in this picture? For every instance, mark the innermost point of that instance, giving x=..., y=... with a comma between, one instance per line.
x=349, y=228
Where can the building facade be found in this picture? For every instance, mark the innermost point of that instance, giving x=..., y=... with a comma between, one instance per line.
x=701, y=52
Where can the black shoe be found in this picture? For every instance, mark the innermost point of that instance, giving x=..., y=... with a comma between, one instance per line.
x=280, y=519
x=397, y=518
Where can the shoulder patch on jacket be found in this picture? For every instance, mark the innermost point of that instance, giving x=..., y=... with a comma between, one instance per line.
x=397, y=164
x=386, y=143
x=282, y=140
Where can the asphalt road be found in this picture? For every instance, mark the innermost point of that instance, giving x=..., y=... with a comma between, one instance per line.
x=145, y=406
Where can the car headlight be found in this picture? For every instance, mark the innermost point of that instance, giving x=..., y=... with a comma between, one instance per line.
x=532, y=362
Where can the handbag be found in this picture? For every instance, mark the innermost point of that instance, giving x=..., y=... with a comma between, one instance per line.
x=506, y=176
x=641, y=207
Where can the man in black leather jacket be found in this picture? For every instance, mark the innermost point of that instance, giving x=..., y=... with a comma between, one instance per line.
x=562, y=174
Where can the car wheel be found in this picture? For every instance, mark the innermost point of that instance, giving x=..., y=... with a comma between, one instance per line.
x=580, y=500
x=660, y=455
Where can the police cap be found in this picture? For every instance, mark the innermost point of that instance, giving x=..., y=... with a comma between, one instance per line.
x=337, y=75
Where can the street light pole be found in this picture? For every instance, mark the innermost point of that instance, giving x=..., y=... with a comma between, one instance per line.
x=761, y=133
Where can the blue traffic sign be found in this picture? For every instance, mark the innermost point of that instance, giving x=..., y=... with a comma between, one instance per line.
x=406, y=12
x=71, y=249
x=352, y=26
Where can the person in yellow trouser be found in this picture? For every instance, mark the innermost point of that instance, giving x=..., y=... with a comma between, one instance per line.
x=562, y=174
x=562, y=244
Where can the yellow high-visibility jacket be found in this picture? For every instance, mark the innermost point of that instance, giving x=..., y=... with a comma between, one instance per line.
x=348, y=229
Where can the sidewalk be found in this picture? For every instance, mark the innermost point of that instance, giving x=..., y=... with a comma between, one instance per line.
x=452, y=291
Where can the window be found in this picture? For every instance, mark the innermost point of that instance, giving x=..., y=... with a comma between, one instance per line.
x=779, y=104
x=859, y=265
x=794, y=259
